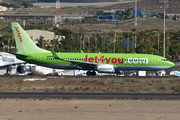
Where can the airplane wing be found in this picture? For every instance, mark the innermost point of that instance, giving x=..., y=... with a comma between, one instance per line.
x=6, y=60
x=79, y=63
x=8, y=64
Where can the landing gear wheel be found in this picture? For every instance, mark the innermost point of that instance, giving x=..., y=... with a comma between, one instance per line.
x=6, y=74
x=93, y=73
x=89, y=73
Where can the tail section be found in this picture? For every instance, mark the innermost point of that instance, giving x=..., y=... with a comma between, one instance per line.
x=23, y=41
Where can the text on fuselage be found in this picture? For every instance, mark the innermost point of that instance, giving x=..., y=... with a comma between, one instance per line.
x=7, y=59
x=105, y=60
x=19, y=34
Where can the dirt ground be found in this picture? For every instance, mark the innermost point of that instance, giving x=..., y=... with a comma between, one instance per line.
x=55, y=109
x=89, y=109
x=88, y=84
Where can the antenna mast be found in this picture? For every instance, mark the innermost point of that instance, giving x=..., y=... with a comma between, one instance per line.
x=57, y=18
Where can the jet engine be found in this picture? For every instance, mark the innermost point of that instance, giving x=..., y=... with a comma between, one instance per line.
x=104, y=68
x=21, y=69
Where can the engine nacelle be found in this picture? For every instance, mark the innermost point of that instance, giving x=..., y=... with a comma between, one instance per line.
x=104, y=68
x=21, y=69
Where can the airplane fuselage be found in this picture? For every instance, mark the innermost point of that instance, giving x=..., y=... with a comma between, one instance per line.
x=120, y=61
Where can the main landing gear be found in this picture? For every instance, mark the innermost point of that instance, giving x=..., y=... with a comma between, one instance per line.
x=91, y=73
x=7, y=70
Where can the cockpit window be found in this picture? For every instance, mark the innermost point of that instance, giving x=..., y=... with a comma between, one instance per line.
x=163, y=59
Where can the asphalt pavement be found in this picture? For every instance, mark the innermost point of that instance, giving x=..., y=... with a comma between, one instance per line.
x=91, y=95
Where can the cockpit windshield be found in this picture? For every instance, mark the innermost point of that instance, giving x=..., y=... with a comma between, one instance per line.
x=164, y=60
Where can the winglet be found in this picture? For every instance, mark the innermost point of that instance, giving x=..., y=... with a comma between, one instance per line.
x=55, y=55
x=82, y=51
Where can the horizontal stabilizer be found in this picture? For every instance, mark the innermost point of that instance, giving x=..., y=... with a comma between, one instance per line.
x=16, y=54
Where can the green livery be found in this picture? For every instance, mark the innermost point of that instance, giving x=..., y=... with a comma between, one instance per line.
x=101, y=62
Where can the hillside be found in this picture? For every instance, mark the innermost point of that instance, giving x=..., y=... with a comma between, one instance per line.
x=151, y=6
x=75, y=1
x=144, y=5
x=150, y=23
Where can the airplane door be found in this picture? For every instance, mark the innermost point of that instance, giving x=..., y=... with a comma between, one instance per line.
x=154, y=61
x=39, y=58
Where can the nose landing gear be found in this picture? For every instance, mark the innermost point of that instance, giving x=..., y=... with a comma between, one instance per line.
x=160, y=73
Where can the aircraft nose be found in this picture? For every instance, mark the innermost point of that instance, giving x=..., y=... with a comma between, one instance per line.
x=171, y=64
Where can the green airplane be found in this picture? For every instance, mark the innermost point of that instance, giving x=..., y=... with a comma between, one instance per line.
x=92, y=62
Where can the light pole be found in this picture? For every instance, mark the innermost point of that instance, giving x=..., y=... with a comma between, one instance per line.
x=102, y=42
x=3, y=46
x=135, y=42
x=105, y=38
x=115, y=41
x=167, y=44
x=88, y=41
x=95, y=40
x=128, y=44
x=83, y=43
x=8, y=44
x=43, y=43
x=80, y=42
x=135, y=12
x=158, y=42
x=96, y=43
x=165, y=5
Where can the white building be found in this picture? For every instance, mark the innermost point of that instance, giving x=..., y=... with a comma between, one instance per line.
x=2, y=8
x=110, y=11
x=35, y=34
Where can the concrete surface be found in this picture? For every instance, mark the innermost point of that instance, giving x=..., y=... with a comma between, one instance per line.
x=35, y=109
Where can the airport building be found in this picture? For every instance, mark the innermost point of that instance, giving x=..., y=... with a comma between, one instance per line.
x=2, y=8
x=36, y=34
